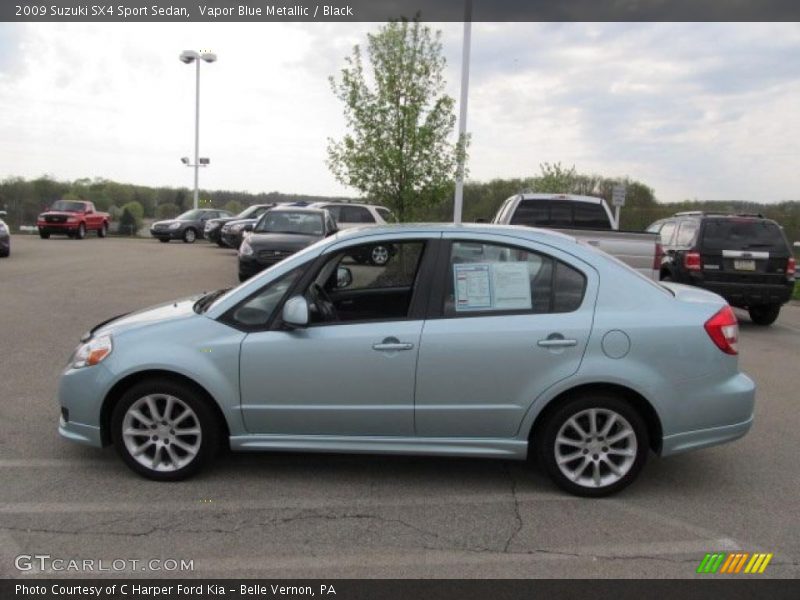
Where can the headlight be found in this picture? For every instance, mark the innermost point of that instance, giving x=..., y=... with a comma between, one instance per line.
x=237, y=228
x=92, y=352
x=246, y=249
x=210, y=226
x=175, y=226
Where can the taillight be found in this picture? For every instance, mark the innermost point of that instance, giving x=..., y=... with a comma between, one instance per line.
x=692, y=262
x=658, y=257
x=723, y=329
x=791, y=268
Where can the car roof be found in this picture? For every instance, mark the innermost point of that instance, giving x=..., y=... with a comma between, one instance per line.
x=532, y=233
x=341, y=203
x=291, y=208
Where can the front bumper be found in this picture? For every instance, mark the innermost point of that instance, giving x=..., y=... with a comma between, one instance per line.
x=80, y=396
x=5, y=242
x=62, y=228
x=249, y=266
x=232, y=240
x=751, y=294
x=213, y=235
x=78, y=432
x=167, y=234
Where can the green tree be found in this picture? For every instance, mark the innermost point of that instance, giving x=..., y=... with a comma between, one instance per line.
x=166, y=211
x=234, y=207
x=400, y=120
x=127, y=223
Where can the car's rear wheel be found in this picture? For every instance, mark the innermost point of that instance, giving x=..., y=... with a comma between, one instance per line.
x=593, y=445
x=44, y=236
x=164, y=430
x=81, y=233
x=103, y=231
x=764, y=314
x=189, y=236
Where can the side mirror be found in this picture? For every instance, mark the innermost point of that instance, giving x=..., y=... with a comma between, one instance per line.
x=295, y=312
x=344, y=277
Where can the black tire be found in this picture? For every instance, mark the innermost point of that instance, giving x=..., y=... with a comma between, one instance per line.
x=5, y=253
x=209, y=441
x=163, y=241
x=243, y=277
x=44, y=235
x=546, y=445
x=103, y=231
x=189, y=236
x=81, y=233
x=221, y=244
x=666, y=277
x=764, y=314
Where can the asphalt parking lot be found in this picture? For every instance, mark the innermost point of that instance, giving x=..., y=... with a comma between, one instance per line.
x=295, y=515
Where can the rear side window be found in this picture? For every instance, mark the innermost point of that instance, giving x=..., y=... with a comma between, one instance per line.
x=743, y=234
x=484, y=279
x=387, y=215
x=355, y=214
x=686, y=233
x=336, y=211
x=666, y=233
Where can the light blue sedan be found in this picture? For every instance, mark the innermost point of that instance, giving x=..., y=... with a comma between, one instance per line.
x=485, y=341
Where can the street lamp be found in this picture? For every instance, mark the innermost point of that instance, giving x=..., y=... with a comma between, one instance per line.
x=188, y=57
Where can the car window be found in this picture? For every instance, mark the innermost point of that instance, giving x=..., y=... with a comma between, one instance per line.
x=655, y=227
x=335, y=210
x=686, y=233
x=589, y=216
x=258, y=309
x=355, y=214
x=666, y=232
x=291, y=222
x=743, y=234
x=532, y=213
x=372, y=289
x=491, y=278
x=386, y=214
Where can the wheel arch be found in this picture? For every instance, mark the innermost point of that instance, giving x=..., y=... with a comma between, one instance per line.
x=116, y=392
x=634, y=398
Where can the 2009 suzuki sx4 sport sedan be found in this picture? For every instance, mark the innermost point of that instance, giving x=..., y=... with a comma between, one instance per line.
x=486, y=341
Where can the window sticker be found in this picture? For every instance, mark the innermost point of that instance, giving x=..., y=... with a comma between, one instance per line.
x=511, y=286
x=492, y=286
x=472, y=286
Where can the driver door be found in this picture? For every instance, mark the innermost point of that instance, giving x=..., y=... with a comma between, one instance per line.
x=348, y=376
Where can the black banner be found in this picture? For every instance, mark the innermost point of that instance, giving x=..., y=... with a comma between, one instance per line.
x=392, y=589
x=383, y=10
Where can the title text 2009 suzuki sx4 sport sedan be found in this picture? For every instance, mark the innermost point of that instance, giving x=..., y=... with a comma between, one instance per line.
x=485, y=341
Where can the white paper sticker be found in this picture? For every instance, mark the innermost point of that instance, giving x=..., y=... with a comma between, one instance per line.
x=472, y=287
x=492, y=286
x=511, y=286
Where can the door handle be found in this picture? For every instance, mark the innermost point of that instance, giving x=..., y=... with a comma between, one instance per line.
x=392, y=344
x=557, y=343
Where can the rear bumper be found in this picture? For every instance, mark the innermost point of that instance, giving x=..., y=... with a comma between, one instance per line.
x=695, y=440
x=751, y=294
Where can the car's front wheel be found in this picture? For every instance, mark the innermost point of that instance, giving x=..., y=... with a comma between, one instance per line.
x=593, y=445
x=764, y=314
x=81, y=233
x=44, y=235
x=164, y=430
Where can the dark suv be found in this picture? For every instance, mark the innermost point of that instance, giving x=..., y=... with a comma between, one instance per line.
x=746, y=259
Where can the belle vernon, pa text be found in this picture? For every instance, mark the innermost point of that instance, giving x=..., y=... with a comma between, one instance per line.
x=164, y=591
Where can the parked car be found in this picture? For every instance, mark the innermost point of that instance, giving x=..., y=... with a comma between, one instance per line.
x=477, y=341
x=73, y=218
x=746, y=259
x=214, y=227
x=350, y=214
x=187, y=226
x=585, y=218
x=5, y=237
x=281, y=232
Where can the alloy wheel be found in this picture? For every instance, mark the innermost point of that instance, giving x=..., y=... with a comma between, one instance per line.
x=379, y=255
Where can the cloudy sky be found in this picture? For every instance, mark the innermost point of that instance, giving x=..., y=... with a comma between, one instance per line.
x=709, y=111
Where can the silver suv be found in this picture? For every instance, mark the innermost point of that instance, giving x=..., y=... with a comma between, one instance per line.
x=351, y=214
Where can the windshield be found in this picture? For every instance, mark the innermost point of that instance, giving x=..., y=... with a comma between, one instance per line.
x=190, y=215
x=68, y=206
x=285, y=221
x=743, y=234
x=250, y=212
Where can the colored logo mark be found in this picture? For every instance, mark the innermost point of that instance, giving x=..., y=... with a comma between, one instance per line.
x=735, y=562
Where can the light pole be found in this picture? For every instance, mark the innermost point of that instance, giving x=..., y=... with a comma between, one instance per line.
x=458, y=200
x=188, y=57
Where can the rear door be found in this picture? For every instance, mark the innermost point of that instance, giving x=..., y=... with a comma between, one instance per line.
x=744, y=250
x=508, y=322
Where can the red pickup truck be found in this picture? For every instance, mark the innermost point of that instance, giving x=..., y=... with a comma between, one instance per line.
x=73, y=218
